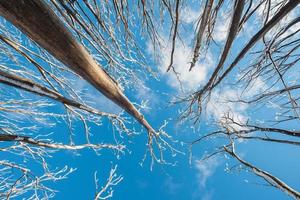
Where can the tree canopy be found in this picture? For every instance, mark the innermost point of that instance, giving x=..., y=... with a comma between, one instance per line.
x=230, y=67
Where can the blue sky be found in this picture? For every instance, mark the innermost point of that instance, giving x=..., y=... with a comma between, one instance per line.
x=198, y=180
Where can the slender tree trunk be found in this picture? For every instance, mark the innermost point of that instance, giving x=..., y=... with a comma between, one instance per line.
x=39, y=22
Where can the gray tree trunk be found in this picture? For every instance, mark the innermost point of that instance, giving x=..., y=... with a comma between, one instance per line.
x=35, y=19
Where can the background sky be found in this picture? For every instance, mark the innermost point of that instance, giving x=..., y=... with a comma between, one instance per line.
x=198, y=180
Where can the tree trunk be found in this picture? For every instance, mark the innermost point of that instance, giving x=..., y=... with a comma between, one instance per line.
x=36, y=19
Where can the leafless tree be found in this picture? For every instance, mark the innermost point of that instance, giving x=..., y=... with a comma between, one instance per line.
x=262, y=73
x=46, y=48
x=45, y=52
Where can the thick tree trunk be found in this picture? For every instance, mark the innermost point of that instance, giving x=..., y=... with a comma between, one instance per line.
x=39, y=22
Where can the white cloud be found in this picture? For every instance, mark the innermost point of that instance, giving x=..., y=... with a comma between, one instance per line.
x=207, y=196
x=189, y=15
x=256, y=86
x=221, y=105
x=205, y=169
x=262, y=10
x=261, y=13
x=94, y=97
x=225, y=102
x=221, y=101
x=149, y=99
x=182, y=57
x=221, y=27
x=171, y=186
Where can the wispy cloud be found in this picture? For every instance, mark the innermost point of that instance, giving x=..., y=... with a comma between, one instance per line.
x=207, y=195
x=221, y=27
x=222, y=103
x=190, y=15
x=94, y=97
x=146, y=96
x=261, y=13
x=182, y=58
x=171, y=186
x=225, y=102
x=205, y=169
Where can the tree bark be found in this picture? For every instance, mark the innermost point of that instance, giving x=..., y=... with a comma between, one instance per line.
x=36, y=19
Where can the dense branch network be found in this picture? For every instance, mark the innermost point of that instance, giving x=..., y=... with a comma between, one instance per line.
x=41, y=87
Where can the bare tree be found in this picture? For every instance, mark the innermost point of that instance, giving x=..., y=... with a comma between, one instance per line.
x=265, y=81
x=48, y=46
x=40, y=68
